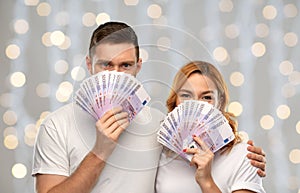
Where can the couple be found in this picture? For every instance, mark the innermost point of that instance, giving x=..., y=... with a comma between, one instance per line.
x=71, y=155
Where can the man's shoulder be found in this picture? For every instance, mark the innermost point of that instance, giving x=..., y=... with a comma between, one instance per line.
x=61, y=111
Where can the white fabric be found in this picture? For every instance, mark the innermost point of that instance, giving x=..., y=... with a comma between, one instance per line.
x=68, y=134
x=230, y=172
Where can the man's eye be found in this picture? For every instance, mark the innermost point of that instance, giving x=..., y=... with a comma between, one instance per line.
x=183, y=95
x=105, y=64
x=126, y=65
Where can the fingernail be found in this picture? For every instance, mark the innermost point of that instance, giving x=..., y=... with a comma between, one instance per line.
x=184, y=150
x=194, y=135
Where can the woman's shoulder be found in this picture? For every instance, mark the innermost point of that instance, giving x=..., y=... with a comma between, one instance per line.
x=237, y=152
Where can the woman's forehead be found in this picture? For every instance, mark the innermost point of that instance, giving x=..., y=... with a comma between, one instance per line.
x=198, y=81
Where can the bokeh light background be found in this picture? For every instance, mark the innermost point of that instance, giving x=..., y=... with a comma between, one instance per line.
x=255, y=44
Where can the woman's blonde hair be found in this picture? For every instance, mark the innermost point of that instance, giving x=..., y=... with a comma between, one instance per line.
x=211, y=72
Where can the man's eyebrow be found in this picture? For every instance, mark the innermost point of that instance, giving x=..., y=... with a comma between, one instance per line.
x=128, y=61
x=102, y=61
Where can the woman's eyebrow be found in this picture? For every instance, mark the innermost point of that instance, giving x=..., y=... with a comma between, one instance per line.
x=208, y=92
x=185, y=90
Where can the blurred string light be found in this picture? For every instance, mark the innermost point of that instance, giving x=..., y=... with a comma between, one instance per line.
x=10, y=117
x=19, y=170
x=31, y=2
x=11, y=142
x=144, y=54
x=267, y=122
x=17, y=79
x=269, y=12
x=102, y=18
x=258, y=49
x=232, y=31
x=10, y=138
x=283, y=111
x=64, y=91
x=78, y=73
x=21, y=26
x=43, y=9
x=57, y=38
x=12, y=51
x=225, y=6
x=164, y=43
x=131, y=2
x=295, y=156
x=154, y=11
x=290, y=39
x=236, y=108
x=237, y=79
x=262, y=30
x=298, y=127
x=290, y=10
x=220, y=54
x=46, y=39
x=61, y=67
x=30, y=134
x=286, y=67
x=244, y=135
x=43, y=90
x=89, y=19
x=66, y=44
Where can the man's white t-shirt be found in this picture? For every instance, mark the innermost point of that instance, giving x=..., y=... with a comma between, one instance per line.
x=68, y=134
x=230, y=172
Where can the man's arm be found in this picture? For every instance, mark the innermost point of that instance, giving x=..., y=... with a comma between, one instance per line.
x=258, y=158
x=81, y=181
x=108, y=130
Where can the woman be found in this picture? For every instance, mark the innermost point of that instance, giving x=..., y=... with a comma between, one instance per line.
x=229, y=169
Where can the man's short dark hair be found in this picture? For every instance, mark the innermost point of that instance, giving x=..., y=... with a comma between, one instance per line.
x=114, y=33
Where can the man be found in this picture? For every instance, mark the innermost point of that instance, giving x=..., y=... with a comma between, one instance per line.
x=71, y=156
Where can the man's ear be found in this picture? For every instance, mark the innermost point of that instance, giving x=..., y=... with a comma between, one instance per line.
x=89, y=64
x=139, y=65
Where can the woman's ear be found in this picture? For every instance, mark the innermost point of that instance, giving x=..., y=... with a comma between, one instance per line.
x=220, y=102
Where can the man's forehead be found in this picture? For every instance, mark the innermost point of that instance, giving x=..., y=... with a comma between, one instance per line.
x=109, y=51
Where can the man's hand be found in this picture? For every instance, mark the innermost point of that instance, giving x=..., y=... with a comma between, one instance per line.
x=108, y=128
x=258, y=158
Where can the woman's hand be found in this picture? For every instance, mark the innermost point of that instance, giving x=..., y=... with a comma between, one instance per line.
x=258, y=158
x=108, y=129
x=202, y=159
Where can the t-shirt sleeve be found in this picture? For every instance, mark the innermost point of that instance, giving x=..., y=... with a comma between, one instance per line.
x=247, y=178
x=50, y=151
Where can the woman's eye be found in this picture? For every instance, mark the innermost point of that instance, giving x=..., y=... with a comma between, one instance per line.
x=207, y=97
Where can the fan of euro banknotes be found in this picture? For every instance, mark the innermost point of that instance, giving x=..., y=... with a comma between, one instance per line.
x=107, y=89
x=193, y=117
